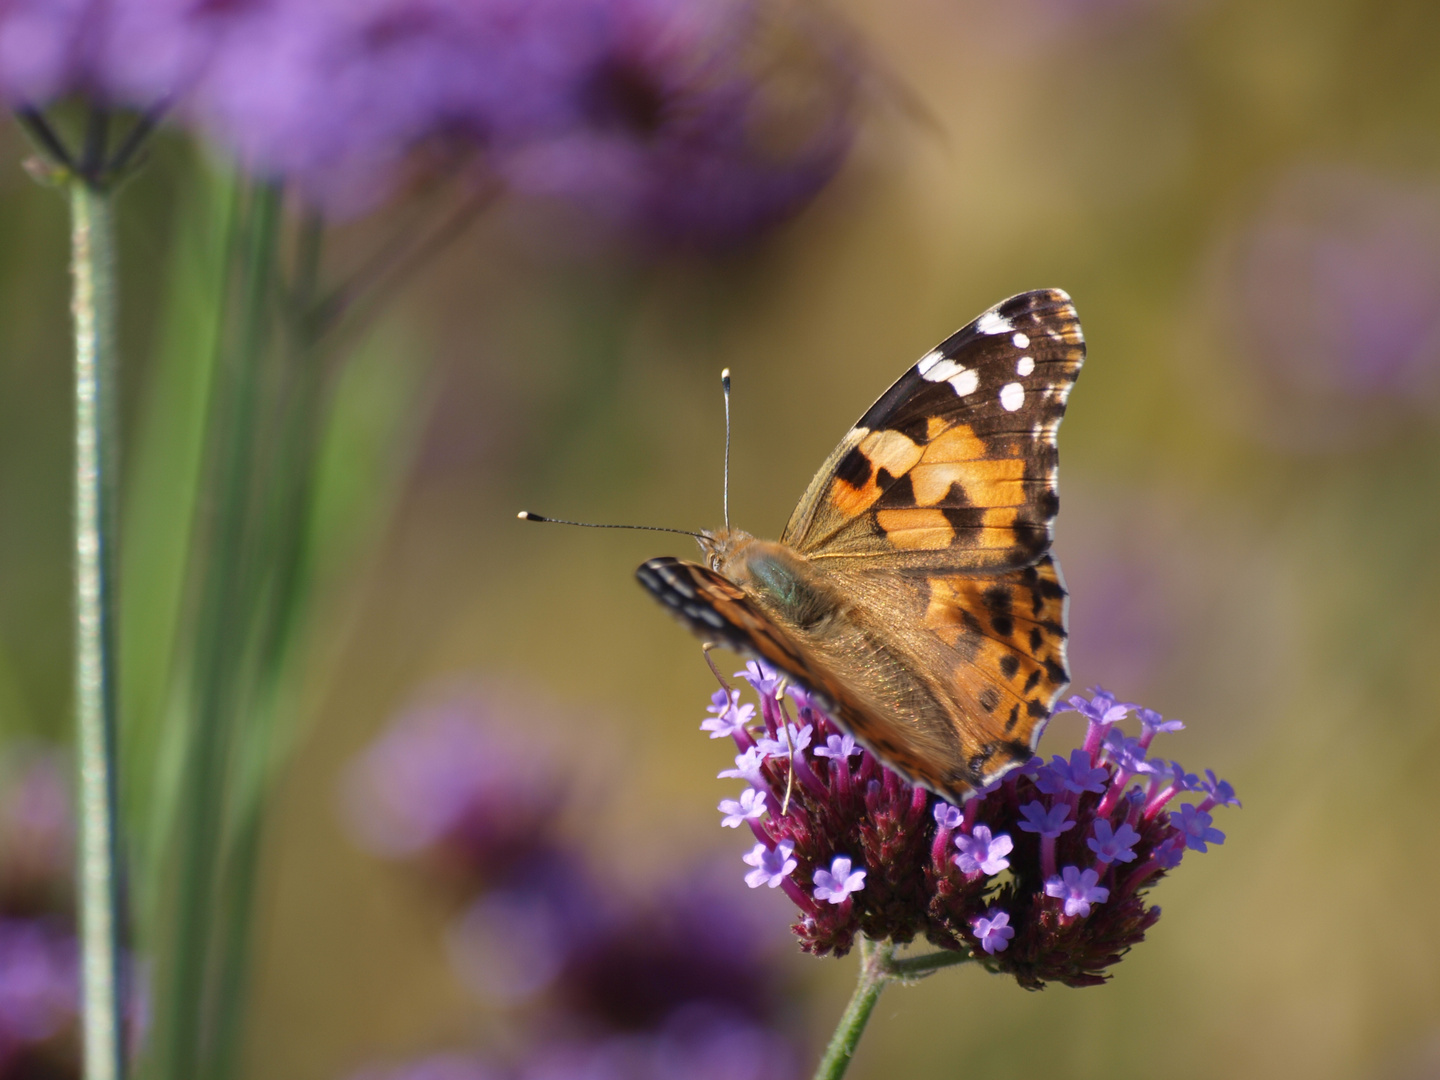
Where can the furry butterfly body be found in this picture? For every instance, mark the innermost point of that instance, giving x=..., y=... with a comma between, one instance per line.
x=912, y=591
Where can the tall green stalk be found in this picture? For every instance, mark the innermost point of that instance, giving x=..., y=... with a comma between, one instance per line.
x=221, y=693
x=92, y=245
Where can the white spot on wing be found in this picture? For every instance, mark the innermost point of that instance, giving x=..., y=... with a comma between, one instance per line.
x=942, y=371
x=992, y=322
x=1022, y=341
x=967, y=382
x=1012, y=396
x=928, y=361
x=1025, y=366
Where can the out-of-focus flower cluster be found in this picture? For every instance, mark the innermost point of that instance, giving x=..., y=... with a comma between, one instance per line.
x=679, y=979
x=1042, y=875
x=1332, y=296
x=39, y=955
x=695, y=122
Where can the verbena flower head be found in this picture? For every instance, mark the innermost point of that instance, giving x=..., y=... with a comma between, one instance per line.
x=39, y=989
x=445, y=780
x=676, y=134
x=37, y=831
x=1042, y=876
x=1351, y=260
x=141, y=53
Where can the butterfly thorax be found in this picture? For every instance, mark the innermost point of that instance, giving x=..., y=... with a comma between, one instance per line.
x=778, y=577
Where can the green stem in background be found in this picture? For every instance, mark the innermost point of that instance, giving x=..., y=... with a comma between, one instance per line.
x=220, y=695
x=878, y=968
x=93, y=279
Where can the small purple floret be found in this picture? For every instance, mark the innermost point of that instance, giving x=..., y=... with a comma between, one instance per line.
x=1195, y=826
x=1127, y=753
x=839, y=747
x=1077, y=775
x=781, y=747
x=980, y=852
x=1050, y=823
x=730, y=716
x=750, y=807
x=839, y=881
x=772, y=866
x=1113, y=845
x=762, y=679
x=947, y=816
x=1078, y=889
x=1155, y=724
x=1218, y=792
x=747, y=767
x=1101, y=709
x=994, y=930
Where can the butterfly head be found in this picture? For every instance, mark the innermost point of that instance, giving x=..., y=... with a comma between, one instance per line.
x=721, y=546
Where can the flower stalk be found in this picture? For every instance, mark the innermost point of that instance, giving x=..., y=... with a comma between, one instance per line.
x=93, y=307
x=875, y=972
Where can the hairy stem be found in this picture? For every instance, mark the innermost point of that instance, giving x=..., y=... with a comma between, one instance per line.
x=875, y=960
x=93, y=306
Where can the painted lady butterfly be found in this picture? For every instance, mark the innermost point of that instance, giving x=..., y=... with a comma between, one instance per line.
x=912, y=591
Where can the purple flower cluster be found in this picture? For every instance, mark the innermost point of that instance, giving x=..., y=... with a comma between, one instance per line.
x=39, y=995
x=1333, y=295
x=694, y=1042
x=677, y=979
x=672, y=118
x=1042, y=875
x=39, y=973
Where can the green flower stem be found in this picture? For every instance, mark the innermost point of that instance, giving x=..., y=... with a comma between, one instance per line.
x=875, y=958
x=93, y=280
x=878, y=968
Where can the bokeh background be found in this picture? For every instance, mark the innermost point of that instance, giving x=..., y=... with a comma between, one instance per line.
x=1243, y=198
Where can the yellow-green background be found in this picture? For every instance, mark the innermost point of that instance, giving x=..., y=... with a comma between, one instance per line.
x=1282, y=597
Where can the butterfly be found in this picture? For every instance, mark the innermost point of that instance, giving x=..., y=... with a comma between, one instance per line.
x=912, y=592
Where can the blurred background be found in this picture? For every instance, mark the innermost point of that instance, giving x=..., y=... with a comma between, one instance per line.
x=1243, y=199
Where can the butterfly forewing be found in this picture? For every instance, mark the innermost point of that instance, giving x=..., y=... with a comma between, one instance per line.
x=955, y=465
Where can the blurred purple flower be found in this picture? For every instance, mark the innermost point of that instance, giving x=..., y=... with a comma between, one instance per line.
x=688, y=943
x=39, y=984
x=438, y=1067
x=673, y=135
x=682, y=123
x=142, y=53
x=444, y=779
x=514, y=941
x=1334, y=294
x=1073, y=901
x=697, y=1043
x=37, y=830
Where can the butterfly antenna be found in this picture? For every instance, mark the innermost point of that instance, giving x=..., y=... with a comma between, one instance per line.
x=725, y=383
x=526, y=515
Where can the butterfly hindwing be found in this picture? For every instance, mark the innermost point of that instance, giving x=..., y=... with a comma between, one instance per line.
x=954, y=466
